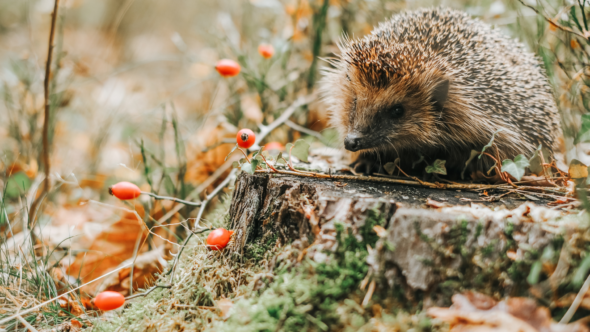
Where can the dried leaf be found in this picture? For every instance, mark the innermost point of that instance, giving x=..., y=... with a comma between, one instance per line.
x=145, y=268
x=390, y=167
x=577, y=170
x=109, y=249
x=225, y=306
x=471, y=157
x=381, y=232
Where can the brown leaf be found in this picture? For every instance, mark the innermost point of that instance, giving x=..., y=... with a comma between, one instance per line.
x=109, y=249
x=144, y=270
x=224, y=306
x=577, y=170
x=473, y=311
x=76, y=324
x=434, y=204
x=381, y=232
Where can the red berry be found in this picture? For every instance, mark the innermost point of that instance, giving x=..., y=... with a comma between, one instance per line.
x=109, y=300
x=227, y=68
x=125, y=190
x=245, y=138
x=218, y=239
x=266, y=50
x=274, y=146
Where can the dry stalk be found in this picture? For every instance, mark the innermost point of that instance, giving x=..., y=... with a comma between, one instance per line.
x=47, y=115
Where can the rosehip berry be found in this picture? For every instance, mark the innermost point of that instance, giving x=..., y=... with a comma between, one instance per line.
x=266, y=50
x=274, y=146
x=227, y=68
x=125, y=190
x=245, y=138
x=109, y=300
x=218, y=239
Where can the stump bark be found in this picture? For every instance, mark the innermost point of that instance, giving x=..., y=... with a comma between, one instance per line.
x=420, y=248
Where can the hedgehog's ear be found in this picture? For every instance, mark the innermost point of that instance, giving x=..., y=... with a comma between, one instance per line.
x=440, y=94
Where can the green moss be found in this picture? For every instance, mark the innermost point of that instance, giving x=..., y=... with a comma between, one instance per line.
x=259, y=251
x=314, y=296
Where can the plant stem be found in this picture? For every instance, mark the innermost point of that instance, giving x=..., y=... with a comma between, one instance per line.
x=319, y=24
x=47, y=118
x=178, y=200
x=46, y=121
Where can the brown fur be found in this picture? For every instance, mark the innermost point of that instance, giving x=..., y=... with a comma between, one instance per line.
x=493, y=84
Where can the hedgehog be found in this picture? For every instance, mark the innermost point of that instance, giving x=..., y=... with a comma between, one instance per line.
x=435, y=84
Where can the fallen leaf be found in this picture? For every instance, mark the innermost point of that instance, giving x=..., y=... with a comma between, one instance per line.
x=109, y=249
x=381, y=232
x=224, y=306
x=146, y=266
x=511, y=254
x=578, y=170
x=76, y=324
x=476, y=312
x=435, y=204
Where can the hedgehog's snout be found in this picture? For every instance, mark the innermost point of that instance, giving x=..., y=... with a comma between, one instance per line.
x=353, y=141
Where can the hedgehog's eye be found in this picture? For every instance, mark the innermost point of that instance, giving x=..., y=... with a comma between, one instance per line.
x=396, y=111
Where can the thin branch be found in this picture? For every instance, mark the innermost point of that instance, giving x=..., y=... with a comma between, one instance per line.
x=304, y=130
x=387, y=180
x=178, y=200
x=197, y=228
x=550, y=21
x=265, y=130
x=47, y=101
x=577, y=301
x=204, y=203
x=47, y=116
x=223, y=141
x=147, y=292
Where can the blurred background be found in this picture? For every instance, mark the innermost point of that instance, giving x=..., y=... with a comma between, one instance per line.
x=134, y=96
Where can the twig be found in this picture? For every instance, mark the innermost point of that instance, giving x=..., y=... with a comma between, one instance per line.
x=147, y=291
x=223, y=141
x=305, y=130
x=387, y=180
x=412, y=177
x=265, y=130
x=46, y=93
x=572, y=310
x=550, y=21
x=47, y=115
x=225, y=182
x=200, y=188
x=26, y=324
x=178, y=200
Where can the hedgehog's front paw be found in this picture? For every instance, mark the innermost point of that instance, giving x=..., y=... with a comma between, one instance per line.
x=366, y=166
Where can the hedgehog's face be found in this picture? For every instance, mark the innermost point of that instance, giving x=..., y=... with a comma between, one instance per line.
x=402, y=114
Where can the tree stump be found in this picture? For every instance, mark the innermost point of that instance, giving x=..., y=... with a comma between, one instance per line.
x=420, y=247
